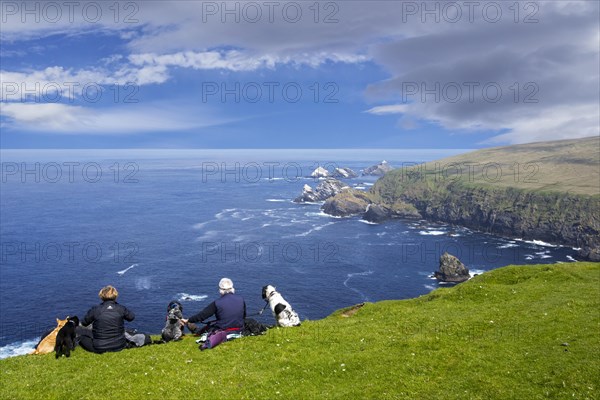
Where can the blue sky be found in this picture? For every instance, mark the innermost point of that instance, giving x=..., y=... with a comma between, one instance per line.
x=345, y=74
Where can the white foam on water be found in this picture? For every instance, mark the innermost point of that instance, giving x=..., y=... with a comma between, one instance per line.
x=312, y=203
x=432, y=232
x=360, y=187
x=571, y=258
x=314, y=229
x=207, y=235
x=508, y=245
x=191, y=297
x=126, y=269
x=473, y=272
x=320, y=214
x=576, y=248
x=538, y=243
x=352, y=275
x=201, y=225
x=18, y=348
x=367, y=222
x=220, y=215
x=429, y=287
x=143, y=283
x=277, y=200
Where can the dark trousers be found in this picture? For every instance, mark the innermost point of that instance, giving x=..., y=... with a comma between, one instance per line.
x=86, y=340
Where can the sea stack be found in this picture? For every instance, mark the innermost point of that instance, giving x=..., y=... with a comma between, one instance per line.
x=378, y=170
x=324, y=190
x=451, y=269
x=319, y=172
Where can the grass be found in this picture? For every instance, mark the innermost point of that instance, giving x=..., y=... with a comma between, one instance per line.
x=564, y=166
x=518, y=332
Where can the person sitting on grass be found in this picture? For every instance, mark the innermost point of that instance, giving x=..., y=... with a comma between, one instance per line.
x=229, y=311
x=108, y=319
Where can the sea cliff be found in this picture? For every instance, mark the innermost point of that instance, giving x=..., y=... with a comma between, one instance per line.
x=559, y=203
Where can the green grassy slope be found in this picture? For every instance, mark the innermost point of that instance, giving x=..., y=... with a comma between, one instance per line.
x=571, y=166
x=503, y=334
x=547, y=191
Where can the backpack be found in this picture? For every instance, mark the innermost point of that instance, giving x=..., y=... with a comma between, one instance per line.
x=136, y=339
x=252, y=327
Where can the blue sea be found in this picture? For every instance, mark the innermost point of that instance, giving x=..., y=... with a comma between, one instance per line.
x=168, y=224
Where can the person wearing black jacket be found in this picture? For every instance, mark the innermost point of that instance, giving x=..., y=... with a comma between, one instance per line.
x=108, y=319
x=229, y=310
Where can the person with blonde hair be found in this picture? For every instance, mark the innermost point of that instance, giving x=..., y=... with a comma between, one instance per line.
x=108, y=319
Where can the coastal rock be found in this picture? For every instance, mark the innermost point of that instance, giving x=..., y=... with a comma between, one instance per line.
x=376, y=213
x=324, y=190
x=401, y=209
x=347, y=203
x=451, y=269
x=378, y=170
x=344, y=173
x=319, y=172
x=555, y=218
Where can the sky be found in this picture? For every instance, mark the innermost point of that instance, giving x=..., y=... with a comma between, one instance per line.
x=297, y=74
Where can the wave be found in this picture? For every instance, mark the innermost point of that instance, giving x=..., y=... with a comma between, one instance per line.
x=352, y=275
x=432, y=232
x=126, y=269
x=320, y=214
x=143, y=283
x=429, y=287
x=571, y=258
x=538, y=243
x=367, y=222
x=220, y=215
x=190, y=297
x=277, y=200
x=314, y=229
x=208, y=235
x=201, y=225
x=18, y=348
x=473, y=272
x=508, y=245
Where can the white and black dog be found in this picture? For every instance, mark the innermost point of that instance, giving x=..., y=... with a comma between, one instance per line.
x=282, y=310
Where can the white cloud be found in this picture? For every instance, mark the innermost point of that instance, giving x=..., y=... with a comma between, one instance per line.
x=55, y=83
x=547, y=74
x=556, y=49
x=389, y=109
x=130, y=119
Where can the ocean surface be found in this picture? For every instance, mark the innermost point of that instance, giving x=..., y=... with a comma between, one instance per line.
x=163, y=225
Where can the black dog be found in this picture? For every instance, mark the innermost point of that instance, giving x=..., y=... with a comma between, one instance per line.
x=65, y=339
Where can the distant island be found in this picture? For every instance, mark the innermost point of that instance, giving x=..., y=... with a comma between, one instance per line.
x=548, y=191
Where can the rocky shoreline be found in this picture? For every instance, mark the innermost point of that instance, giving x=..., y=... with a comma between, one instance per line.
x=557, y=218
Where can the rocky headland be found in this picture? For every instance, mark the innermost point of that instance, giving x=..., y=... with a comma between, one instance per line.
x=558, y=204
